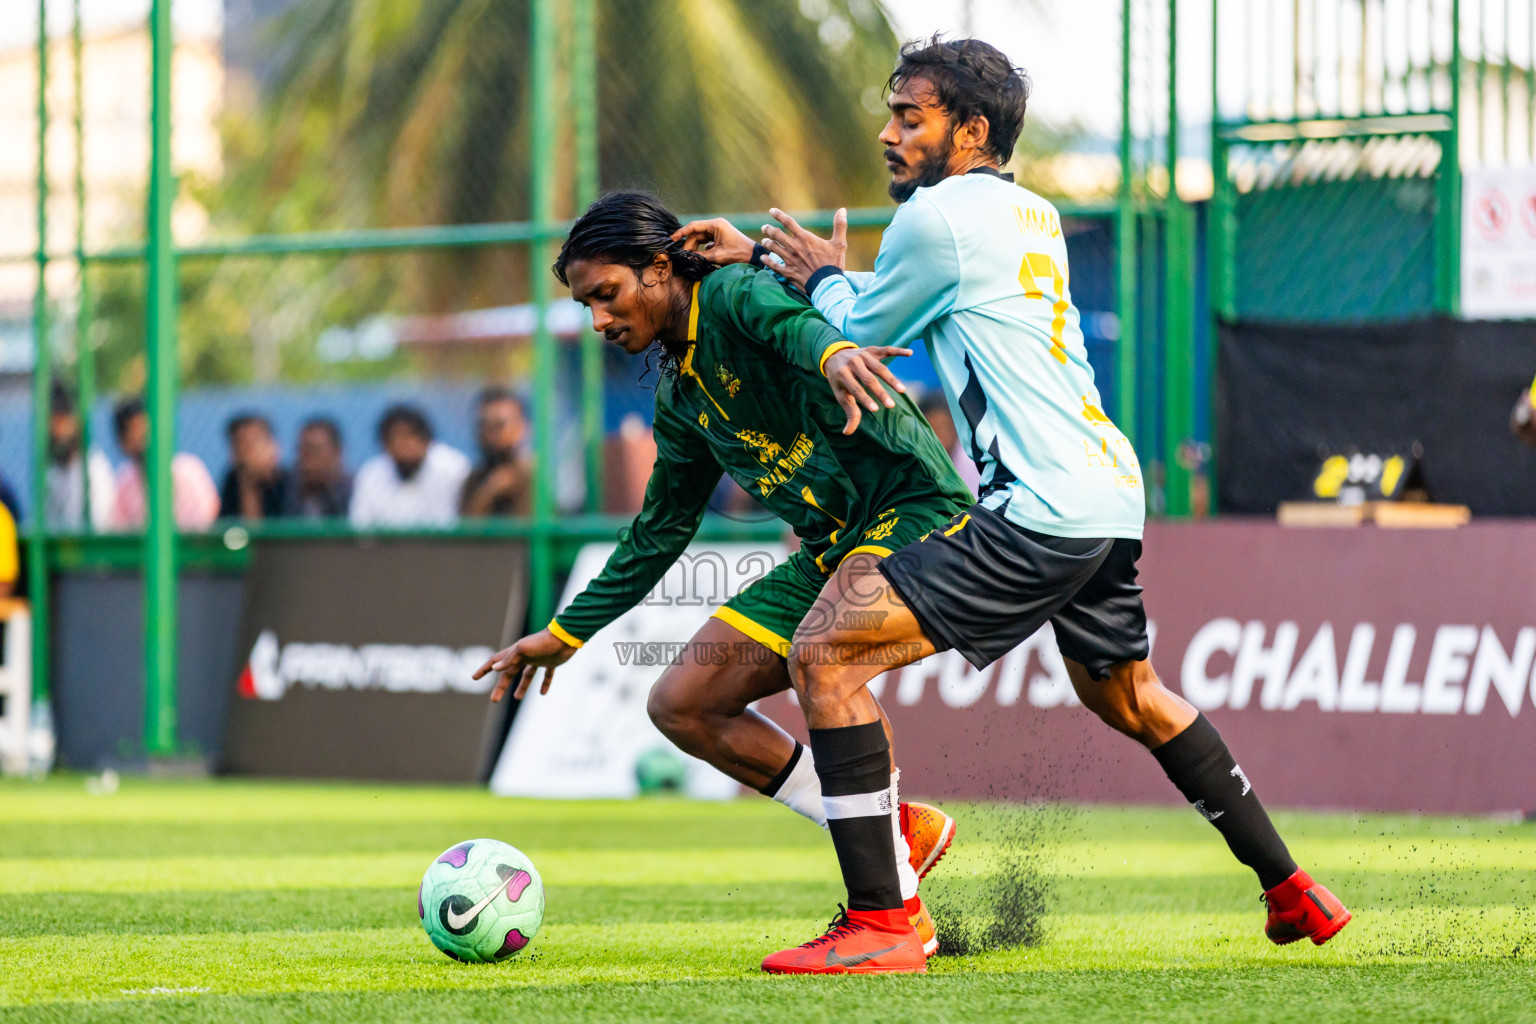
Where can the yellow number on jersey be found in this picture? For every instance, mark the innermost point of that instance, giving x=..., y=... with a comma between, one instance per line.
x=1036, y=267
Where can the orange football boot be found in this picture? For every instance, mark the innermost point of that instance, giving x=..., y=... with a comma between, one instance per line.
x=857, y=942
x=928, y=832
x=922, y=923
x=1299, y=908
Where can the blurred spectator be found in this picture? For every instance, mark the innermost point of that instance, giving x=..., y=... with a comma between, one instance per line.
x=1523, y=420
x=415, y=481
x=195, y=498
x=67, y=467
x=320, y=487
x=935, y=407
x=256, y=484
x=499, y=484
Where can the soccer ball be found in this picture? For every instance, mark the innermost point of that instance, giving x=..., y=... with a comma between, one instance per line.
x=481, y=901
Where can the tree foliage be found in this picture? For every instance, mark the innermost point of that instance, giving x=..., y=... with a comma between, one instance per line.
x=382, y=113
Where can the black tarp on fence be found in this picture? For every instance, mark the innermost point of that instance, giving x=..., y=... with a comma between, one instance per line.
x=1289, y=395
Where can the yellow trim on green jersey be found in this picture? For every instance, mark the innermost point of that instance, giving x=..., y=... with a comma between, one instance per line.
x=563, y=635
x=762, y=634
x=877, y=549
x=693, y=333
x=832, y=541
x=830, y=352
x=810, y=499
x=1533, y=392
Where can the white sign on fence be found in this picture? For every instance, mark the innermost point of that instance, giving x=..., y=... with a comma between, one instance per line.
x=1498, y=243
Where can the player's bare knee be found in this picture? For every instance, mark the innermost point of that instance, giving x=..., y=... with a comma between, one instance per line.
x=800, y=660
x=817, y=682
x=1118, y=706
x=658, y=705
x=671, y=711
x=801, y=671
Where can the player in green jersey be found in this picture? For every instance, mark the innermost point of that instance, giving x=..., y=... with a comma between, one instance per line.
x=746, y=362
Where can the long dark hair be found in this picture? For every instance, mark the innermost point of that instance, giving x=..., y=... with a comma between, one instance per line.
x=630, y=228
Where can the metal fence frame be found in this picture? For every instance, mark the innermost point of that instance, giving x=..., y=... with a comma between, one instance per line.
x=1441, y=124
x=1151, y=230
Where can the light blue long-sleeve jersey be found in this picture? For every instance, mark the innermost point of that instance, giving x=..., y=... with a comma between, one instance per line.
x=977, y=267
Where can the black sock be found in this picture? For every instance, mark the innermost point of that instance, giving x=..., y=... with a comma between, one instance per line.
x=854, y=765
x=777, y=782
x=1199, y=763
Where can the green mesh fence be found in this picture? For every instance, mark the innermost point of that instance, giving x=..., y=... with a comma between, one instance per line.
x=364, y=198
x=1336, y=251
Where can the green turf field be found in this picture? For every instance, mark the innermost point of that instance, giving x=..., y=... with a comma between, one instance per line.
x=235, y=901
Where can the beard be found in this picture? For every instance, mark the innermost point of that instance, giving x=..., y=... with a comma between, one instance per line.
x=932, y=167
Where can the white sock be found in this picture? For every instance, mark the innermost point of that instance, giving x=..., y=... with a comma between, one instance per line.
x=801, y=791
x=903, y=852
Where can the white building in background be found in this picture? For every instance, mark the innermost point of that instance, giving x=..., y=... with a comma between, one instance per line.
x=116, y=68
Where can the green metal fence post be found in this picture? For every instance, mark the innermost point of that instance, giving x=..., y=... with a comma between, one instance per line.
x=1220, y=230
x=1149, y=312
x=1482, y=77
x=37, y=551
x=160, y=400
x=85, y=365
x=1504, y=91
x=1448, y=189
x=1125, y=248
x=1178, y=318
x=542, y=151
x=584, y=116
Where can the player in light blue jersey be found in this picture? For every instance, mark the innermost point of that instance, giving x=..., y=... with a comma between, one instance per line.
x=976, y=267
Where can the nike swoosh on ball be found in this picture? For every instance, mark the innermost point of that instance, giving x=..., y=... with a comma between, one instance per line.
x=456, y=921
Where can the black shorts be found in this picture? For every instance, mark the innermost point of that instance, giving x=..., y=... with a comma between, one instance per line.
x=983, y=586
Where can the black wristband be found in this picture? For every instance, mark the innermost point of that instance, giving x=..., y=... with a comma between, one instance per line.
x=759, y=250
x=822, y=273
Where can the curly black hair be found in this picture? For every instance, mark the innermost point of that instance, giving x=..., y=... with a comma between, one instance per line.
x=969, y=77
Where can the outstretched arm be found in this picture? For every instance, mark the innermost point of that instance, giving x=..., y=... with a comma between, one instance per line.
x=718, y=240
x=916, y=277
x=675, y=500
x=722, y=244
x=767, y=310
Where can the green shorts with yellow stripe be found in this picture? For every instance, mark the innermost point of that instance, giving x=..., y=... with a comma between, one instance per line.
x=769, y=610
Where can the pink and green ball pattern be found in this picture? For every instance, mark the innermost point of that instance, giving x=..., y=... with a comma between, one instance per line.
x=481, y=901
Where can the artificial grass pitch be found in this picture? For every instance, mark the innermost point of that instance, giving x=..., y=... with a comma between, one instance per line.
x=248, y=902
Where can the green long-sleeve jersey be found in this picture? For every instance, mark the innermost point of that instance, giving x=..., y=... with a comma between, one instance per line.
x=751, y=400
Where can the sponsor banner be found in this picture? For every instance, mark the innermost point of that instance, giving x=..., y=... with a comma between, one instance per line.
x=588, y=735
x=359, y=658
x=1498, y=243
x=1372, y=669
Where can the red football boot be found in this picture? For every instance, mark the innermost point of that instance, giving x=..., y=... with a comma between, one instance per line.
x=1299, y=908
x=922, y=922
x=928, y=832
x=857, y=942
